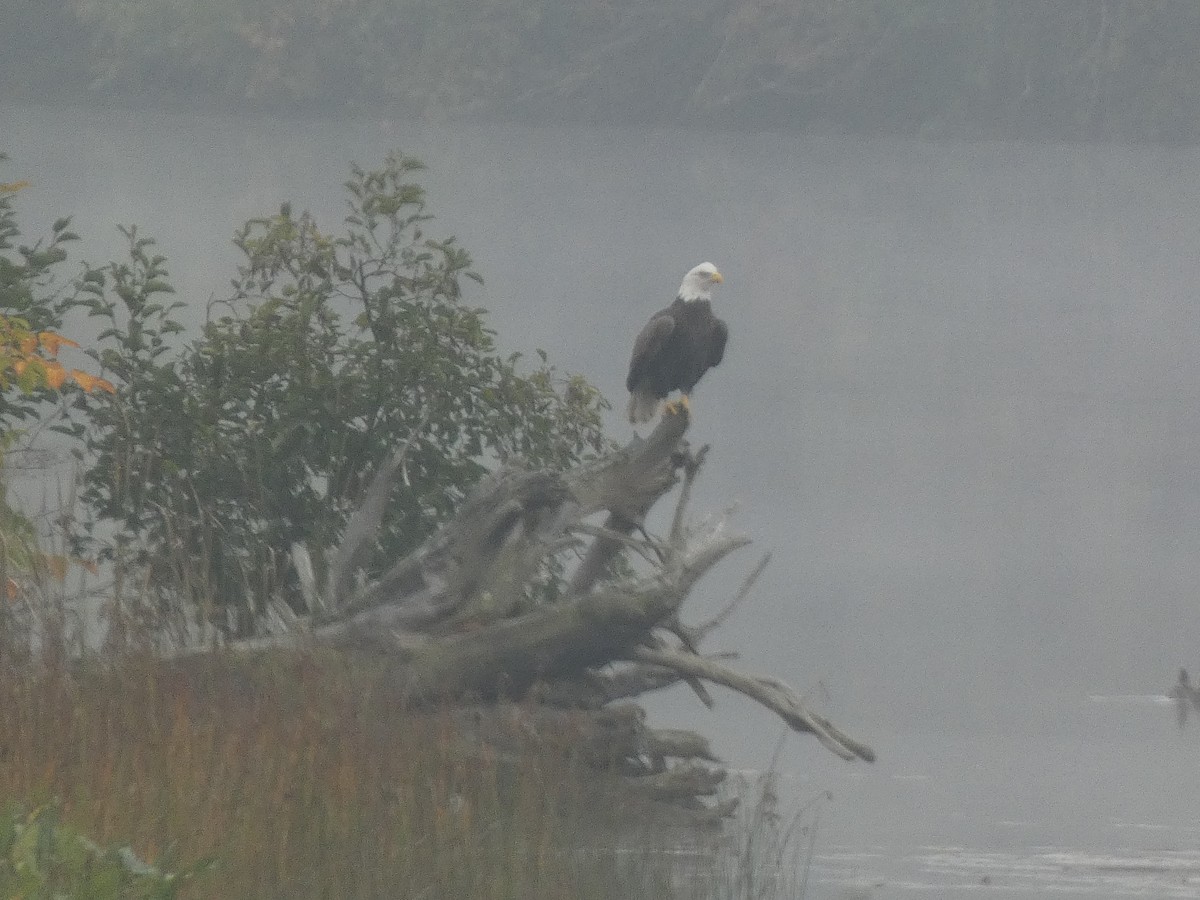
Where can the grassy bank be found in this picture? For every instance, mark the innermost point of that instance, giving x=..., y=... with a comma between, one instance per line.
x=299, y=780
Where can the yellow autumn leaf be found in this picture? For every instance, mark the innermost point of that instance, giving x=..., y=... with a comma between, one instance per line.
x=55, y=374
x=51, y=342
x=13, y=186
x=92, y=383
x=19, y=365
x=84, y=380
x=28, y=344
x=56, y=565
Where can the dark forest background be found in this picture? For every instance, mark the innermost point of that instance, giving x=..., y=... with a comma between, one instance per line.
x=1075, y=69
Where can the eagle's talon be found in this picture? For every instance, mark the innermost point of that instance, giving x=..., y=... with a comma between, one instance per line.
x=680, y=407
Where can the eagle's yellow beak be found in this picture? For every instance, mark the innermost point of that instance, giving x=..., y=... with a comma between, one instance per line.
x=717, y=279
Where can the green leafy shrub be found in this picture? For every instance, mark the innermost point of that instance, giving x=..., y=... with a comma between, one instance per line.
x=332, y=351
x=33, y=294
x=41, y=858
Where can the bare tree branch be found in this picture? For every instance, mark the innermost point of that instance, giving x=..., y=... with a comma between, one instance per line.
x=773, y=694
x=701, y=631
x=562, y=638
x=364, y=523
x=691, y=469
x=632, y=483
x=683, y=781
x=658, y=743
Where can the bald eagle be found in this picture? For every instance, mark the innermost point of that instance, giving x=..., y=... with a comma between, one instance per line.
x=677, y=346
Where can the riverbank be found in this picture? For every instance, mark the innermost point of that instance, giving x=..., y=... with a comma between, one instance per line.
x=996, y=68
x=296, y=776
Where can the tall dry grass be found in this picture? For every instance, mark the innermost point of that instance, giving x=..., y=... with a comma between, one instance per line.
x=301, y=780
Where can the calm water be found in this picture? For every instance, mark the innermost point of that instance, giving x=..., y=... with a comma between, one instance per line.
x=949, y=816
x=961, y=403
x=1026, y=819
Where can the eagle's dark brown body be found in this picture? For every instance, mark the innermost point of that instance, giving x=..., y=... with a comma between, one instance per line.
x=677, y=346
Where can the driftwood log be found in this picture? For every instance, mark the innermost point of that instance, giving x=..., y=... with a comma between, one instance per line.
x=459, y=622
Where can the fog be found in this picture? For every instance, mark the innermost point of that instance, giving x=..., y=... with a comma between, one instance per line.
x=959, y=403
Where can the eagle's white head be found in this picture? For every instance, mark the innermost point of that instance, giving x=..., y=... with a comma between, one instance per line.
x=698, y=283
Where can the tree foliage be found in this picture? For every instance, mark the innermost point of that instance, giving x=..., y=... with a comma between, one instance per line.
x=332, y=351
x=33, y=298
x=1063, y=69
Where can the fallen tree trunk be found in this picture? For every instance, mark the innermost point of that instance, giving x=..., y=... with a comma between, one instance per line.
x=556, y=640
x=459, y=621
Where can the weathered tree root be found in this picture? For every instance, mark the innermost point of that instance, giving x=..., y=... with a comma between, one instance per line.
x=456, y=620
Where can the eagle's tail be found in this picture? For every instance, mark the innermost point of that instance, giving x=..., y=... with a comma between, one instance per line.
x=643, y=406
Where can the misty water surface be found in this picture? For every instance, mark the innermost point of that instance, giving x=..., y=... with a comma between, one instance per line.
x=960, y=400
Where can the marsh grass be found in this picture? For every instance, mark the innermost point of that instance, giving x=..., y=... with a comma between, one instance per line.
x=300, y=775
x=300, y=781
x=770, y=847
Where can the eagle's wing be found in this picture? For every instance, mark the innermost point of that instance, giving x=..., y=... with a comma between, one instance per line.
x=716, y=342
x=647, y=346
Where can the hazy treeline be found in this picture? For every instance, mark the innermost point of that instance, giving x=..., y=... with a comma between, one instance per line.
x=1046, y=68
